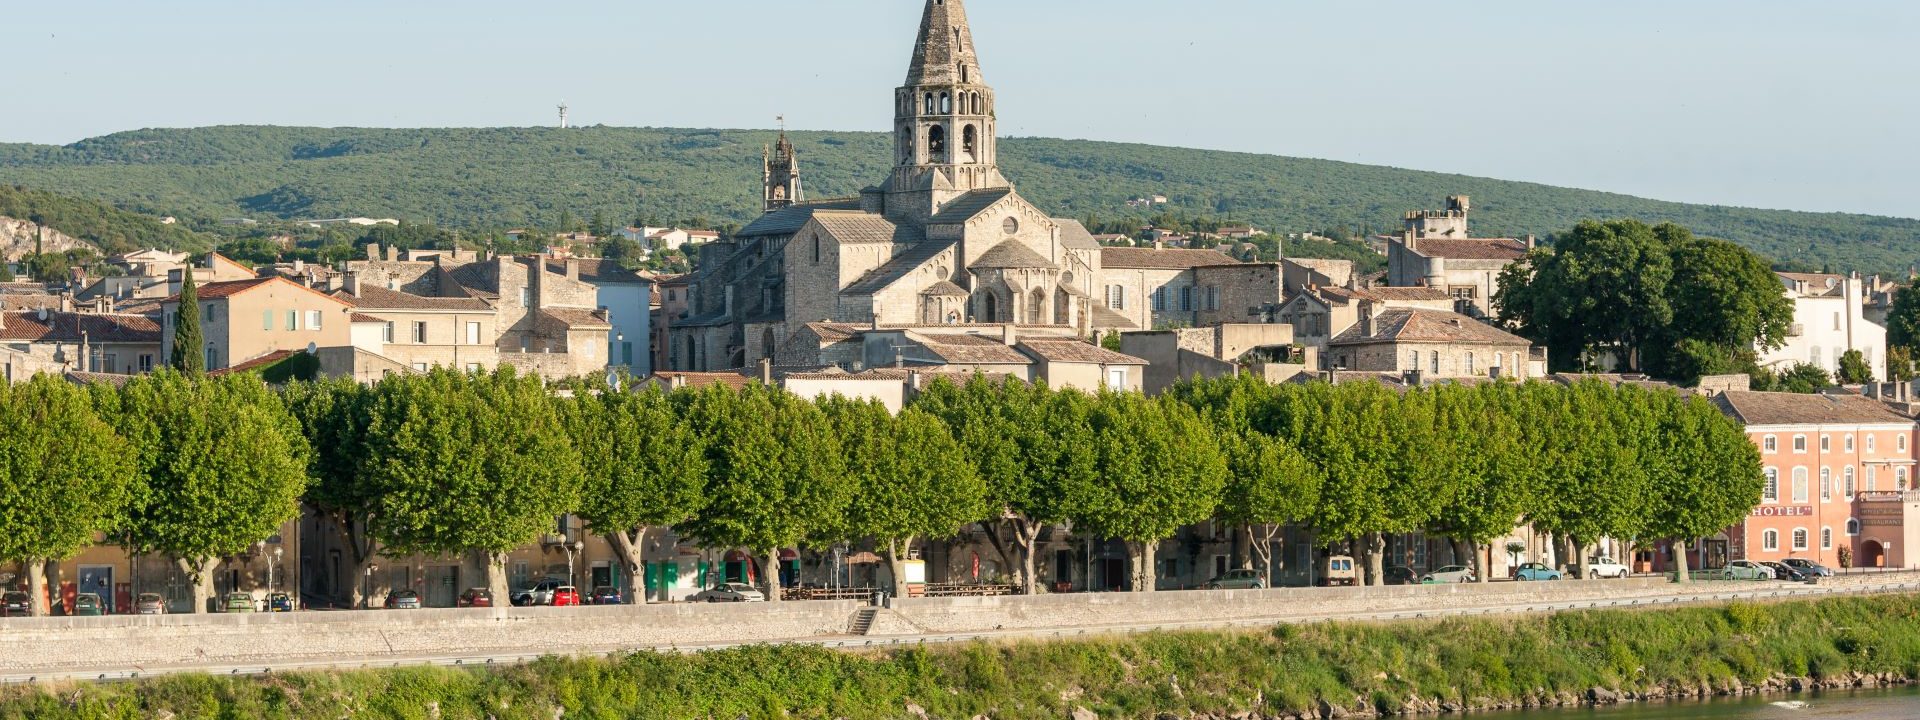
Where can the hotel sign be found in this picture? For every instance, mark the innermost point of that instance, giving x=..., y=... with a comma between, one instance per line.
x=1783, y=511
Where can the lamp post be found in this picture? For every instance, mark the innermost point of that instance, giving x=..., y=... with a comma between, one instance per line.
x=573, y=547
x=366, y=596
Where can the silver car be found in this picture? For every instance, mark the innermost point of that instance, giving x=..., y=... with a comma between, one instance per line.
x=1236, y=580
x=1746, y=570
x=730, y=592
x=1448, y=575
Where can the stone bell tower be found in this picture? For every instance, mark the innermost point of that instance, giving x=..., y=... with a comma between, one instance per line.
x=782, y=174
x=944, y=141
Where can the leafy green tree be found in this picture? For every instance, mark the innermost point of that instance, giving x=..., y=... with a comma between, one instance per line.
x=912, y=479
x=1903, y=319
x=1899, y=363
x=1602, y=288
x=625, y=251
x=1496, y=476
x=1269, y=485
x=1705, y=478
x=776, y=474
x=644, y=468
x=187, y=356
x=468, y=463
x=1156, y=469
x=1029, y=446
x=1854, y=369
x=1597, y=480
x=333, y=414
x=1803, y=378
x=1727, y=301
x=67, y=475
x=221, y=465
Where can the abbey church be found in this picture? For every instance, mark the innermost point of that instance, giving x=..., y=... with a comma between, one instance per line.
x=944, y=240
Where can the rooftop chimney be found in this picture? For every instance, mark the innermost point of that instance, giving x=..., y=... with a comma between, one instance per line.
x=573, y=269
x=766, y=371
x=373, y=251
x=1009, y=335
x=393, y=254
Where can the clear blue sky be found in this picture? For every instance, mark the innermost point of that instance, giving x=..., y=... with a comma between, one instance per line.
x=1767, y=103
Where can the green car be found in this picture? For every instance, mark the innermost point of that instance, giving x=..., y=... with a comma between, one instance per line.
x=86, y=605
x=1537, y=571
x=1746, y=570
x=237, y=603
x=1236, y=580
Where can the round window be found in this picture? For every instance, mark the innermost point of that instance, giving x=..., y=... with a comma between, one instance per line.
x=1012, y=226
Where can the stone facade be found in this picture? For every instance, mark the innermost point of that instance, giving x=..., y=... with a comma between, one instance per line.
x=1436, y=251
x=1433, y=344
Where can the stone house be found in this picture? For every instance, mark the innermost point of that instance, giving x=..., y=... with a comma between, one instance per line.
x=59, y=342
x=1157, y=287
x=241, y=320
x=1319, y=314
x=1262, y=349
x=1436, y=251
x=1433, y=344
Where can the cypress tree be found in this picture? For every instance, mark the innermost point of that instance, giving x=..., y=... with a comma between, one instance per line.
x=187, y=356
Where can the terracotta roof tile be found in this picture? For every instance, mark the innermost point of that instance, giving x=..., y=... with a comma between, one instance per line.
x=377, y=298
x=1076, y=351
x=577, y=317
x=1471, y=249
x=67, y=326
x=1399, y=325
x=255, y=363
x=968, y=349
x=1761, y=408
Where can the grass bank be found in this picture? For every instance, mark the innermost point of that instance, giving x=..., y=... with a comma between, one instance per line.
x=1289, y=671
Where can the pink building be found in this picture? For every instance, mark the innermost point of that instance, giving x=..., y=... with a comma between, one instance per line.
x=1840, y=472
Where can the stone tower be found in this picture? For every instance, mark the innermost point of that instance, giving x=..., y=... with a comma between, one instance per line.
x=782, y=174
x=944, y=142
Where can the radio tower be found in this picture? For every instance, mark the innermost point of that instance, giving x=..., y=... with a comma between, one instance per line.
x=563, y=114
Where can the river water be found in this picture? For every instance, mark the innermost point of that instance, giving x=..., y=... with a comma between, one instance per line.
x=1901, y=704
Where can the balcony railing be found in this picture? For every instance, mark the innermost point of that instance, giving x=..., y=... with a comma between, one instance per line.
x=1890, y=496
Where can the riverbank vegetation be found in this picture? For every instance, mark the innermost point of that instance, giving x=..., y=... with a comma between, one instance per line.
x=1400, y=668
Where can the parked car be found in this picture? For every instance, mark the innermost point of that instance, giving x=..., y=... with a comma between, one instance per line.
x=1402, y=575
x=1746, y=570
x=1785, y=572
x=1537, y=571
x=1808, y=567
x=1448, y=575
x=1337, y=570
x=476, y=597
x=1236, y=580
x=730, y=592
x=566, y=596
x=150, y=604
x=403, y=600
x=87, y=605
x=279, y=602
x=1605, y=567
x=238, y=602
x=15, y=603
x=540, y=593
x=606, y=595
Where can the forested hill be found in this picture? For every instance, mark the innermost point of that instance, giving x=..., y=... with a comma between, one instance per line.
x=501, y=177
x=107, y=228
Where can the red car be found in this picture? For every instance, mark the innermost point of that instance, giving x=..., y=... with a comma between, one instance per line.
x=566, y=595
x=476, y=597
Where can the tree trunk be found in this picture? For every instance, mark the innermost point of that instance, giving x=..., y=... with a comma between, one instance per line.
x=360, y=547
x=1144, y=578
x=1680, y=561
x=1026, y=534
x=200, y=576
x=1242, y=552
x=897, y=564
x=496, y=564
x=37, y=587
x=630, y=547
x=997, y=538
x=772, y=571
x=1261, y=542
x=1376, y=559
x=1462, y=551
x=1576, y=565
x=1483, y=555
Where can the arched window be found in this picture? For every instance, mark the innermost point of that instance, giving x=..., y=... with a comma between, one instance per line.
x=936, y=143
x=1770, y=540
x=989, y=310
x=1826, y=483
x=946, y=104
x=979, y=108
x=1799, y=485
x=963, y=66
x=1036, y=304
x=1853, y=526
x=1772, y=491
x=1799, y=538
x=1900, y=479
x=929, y=104
x=969, y=138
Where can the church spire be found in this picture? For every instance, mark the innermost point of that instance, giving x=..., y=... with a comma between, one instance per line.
x=781, y=178
x=943, y=55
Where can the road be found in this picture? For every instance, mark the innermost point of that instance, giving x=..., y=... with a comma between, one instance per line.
x=1762, y=592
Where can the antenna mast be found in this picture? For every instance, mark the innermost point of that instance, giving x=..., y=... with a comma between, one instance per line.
x=563, y=114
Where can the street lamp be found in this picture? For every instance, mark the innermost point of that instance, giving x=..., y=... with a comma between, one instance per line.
x=366, y=592
x=573, y=547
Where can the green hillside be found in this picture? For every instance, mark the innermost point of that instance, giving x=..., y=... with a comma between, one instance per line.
x=109, y=228
x=500, y=177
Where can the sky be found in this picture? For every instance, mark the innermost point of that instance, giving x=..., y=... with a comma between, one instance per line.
x=1759, y=103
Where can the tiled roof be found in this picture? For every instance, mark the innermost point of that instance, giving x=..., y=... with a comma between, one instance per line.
x=788, y=220
x=1418, y=325
x=703, y=379
x=904, y=262
x=577, y=317
x=599, y=271
x=833, y=332
x=1012, y=254
x=968, y=349
x=1074, y=235
x=374, y=297
x=1385, y=294
x=1071, y=350
x=944, y=288
x=1760, y=408
x=1471, y=249
x=1107, y=318
x=364, y=318
x=229, y=288
x=67, y=326
x=966, y=206
x=1161, y=259
x=854, y=227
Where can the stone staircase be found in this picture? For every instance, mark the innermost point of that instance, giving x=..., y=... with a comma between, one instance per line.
x=862, y=621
